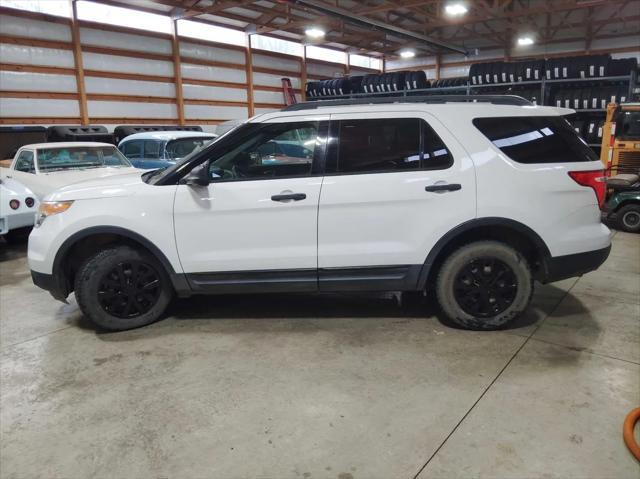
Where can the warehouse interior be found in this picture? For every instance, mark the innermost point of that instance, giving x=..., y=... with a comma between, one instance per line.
x=305, y=385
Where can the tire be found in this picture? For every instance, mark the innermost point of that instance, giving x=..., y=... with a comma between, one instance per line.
x=100, y=274
x=628, y=218
x=457, y=270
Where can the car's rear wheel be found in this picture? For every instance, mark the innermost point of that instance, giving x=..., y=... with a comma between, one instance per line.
x=629, y=218
x=122, y=288
x=484, y=285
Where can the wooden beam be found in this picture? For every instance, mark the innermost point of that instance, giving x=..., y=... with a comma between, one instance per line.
x=177, y=72
x=303, y=74
x=77, y=57
x=248, y=68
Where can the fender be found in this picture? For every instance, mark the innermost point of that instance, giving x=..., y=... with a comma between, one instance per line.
x=541, y=246
x=178, y=280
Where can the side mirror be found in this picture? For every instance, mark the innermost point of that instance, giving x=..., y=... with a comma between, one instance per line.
x=199, y=176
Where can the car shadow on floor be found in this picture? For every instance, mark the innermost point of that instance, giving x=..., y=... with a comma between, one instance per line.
x=290, y=311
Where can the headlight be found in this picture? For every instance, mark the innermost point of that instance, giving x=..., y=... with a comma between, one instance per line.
x=50, y=208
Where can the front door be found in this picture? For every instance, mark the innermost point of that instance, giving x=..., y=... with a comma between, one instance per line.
x=396, y=182
x=254, y=228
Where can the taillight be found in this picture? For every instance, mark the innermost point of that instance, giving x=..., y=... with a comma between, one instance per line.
x=594, y=179
x=14, y=204
x=29, y=202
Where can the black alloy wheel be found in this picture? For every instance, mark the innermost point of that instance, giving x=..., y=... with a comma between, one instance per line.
x=130, y=289
x=485, y=287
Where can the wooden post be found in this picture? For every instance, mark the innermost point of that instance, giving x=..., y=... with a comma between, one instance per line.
x=177, y=73
x=248, y=59
x=438, y=62
x=77, y=57
x=347, y=65
x=303, y=74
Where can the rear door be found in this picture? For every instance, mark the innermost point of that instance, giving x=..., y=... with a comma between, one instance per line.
x=395, y=183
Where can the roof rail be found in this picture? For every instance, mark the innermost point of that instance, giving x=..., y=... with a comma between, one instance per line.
x=495, y=99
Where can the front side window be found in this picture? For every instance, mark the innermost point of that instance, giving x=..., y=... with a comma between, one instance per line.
x=535, y=139
x=269, y=151
x=69, y=158
x=627, y=125
x=386, y=145
x=25, y=162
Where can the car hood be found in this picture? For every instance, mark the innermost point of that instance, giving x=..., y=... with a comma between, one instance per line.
x=105, y=186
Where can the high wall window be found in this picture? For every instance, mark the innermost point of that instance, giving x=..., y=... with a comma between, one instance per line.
x=326, y=54
x=365, y=62
x=187, y=28
x=61, y=8
x=261, y=42
x=124, y=17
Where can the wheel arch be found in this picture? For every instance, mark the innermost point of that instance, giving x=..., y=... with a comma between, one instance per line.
x=511, y=232
x=87, y=242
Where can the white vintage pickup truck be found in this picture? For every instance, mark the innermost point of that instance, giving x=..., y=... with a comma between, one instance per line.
x=46, y=167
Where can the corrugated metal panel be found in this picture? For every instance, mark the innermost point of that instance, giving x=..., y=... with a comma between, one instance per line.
x=199, y=92
x=26, y=81
x=129, y=87
x=38, y=107
x=99, y=61
x=272, y=62
x=267, y=79
x=215, y=112
x=268, y=97
x=203, y=72
x=36, y=56
x=90, y=36
x=205, y=52
x=26, y=27
x=131, y=109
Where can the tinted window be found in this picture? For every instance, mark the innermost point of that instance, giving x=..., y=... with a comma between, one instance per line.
x=379, y=145
x=132, y=149
x=152, y=149
x=181, y=147
x=269, y=151
x=435, y=154
x=25, y=162
x=628, y=125
x=536, y=139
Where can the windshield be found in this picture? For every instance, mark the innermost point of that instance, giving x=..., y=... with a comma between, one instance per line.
x=72, y=158
x=181, y=147
x=628, y=125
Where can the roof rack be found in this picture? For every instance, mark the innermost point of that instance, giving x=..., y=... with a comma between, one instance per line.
x=494, y=99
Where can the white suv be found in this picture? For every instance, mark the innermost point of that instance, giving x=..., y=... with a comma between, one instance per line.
x=474, y=200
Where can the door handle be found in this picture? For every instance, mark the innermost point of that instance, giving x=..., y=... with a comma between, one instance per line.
x=289, y=196
x=443, y=187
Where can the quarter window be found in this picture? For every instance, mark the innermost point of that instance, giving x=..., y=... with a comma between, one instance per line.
x=383, y=145
x=25, y=162
x=535, y=139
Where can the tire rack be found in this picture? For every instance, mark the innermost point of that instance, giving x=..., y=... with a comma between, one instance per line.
x=544, y=85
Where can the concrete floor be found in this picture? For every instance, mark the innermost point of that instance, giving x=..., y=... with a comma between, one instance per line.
x=322, y=387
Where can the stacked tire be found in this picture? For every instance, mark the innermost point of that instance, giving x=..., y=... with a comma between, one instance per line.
x=372, y=83
x=589, y=98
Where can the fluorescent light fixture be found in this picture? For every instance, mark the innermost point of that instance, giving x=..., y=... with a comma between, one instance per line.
x=523, y=41
x=314, y=32
x=455, y=9
x=407, y=54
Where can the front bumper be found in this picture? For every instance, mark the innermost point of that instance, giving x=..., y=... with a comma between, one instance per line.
x=569, y=266
x=50, y=283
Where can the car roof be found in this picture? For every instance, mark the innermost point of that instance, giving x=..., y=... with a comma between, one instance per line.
x=453, y=110
x=168, y=135
x=65, y=144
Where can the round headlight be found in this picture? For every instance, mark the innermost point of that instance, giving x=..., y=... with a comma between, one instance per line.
x=29, y=202
x=14, y=204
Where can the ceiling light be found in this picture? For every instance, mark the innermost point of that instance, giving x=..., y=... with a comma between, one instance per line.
x=314, y=32
x=525, y=41
x=407, y=54
x=455, y=9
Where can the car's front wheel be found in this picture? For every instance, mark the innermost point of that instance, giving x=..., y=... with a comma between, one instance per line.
x=122, y=288
x=484, y=285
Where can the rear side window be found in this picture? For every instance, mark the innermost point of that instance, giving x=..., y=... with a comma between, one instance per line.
x=535, y=139
x=391, y=144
